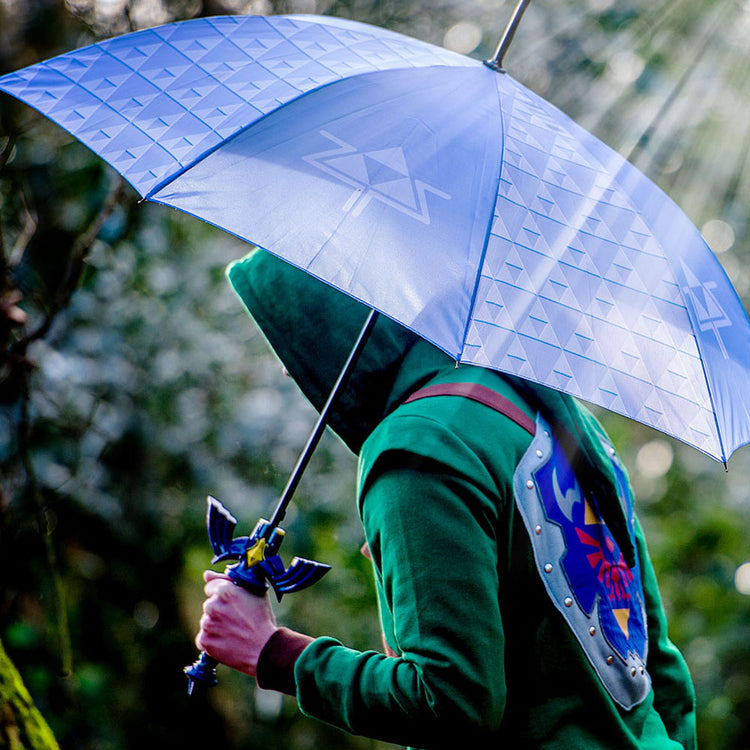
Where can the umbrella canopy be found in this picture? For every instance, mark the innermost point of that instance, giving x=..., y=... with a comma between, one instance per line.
x=438, y=191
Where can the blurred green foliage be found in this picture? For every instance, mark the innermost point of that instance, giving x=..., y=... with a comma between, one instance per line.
x=132, y=383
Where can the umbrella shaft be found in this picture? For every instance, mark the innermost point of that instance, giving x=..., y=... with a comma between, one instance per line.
x=496, y=63
x=320, y=425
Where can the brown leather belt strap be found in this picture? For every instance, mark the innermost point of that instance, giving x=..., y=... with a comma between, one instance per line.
x=483, y=395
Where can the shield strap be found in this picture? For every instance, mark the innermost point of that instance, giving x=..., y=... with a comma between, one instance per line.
x=483, y=395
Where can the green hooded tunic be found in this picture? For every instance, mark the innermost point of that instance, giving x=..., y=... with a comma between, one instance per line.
x=479, y=655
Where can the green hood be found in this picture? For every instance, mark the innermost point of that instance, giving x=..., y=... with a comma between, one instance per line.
x=312, y=327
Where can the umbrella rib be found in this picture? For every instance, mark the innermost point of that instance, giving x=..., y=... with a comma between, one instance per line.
x=404, y=65
x=210, y=131
x=222, y=143
x=488, y=232
x=104, y=103
x=105, y=51
x=707, y=380
x=167, y=181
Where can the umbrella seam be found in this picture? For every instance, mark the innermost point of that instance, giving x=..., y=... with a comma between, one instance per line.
x=103, y=48
x=689, y=311
x=105, y=51
x=403, y=65
x=490, y=221
x=158, y=188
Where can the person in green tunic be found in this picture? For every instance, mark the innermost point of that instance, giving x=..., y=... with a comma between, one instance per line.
x=518, y=603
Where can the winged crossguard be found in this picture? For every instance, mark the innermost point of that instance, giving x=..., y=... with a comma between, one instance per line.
x=259, y=564
x=258, y=568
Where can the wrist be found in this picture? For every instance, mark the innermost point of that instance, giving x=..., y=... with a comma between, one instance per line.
x=277, y=659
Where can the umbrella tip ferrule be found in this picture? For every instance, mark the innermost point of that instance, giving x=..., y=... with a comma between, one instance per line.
x=494, y=65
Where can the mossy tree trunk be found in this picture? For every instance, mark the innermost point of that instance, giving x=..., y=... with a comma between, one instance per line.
x=22, y=727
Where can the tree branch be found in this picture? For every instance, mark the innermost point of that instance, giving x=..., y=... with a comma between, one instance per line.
x=78, y=254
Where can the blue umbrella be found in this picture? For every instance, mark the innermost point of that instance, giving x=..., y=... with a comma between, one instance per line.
x=435, y=189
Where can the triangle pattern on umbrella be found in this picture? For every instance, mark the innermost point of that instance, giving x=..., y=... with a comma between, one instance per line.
x=138, y=70
x=581, y=285
x=575, y=257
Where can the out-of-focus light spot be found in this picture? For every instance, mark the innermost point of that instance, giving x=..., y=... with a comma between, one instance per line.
x=654, y=459
x=540, y=81
x=732, y=268
x=463, y=38
x=625, y=67
x=724, y=104
x=258, y=8
x=719, y=707
x=107, y=9
x=268, y=703
x=145, y=13
x=673, y=163
x=718, y=234
x=146, y=614
x=303, y=6
x=742, y=579
x=232, y=6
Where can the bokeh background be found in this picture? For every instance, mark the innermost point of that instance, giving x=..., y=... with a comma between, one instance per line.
x=132, y=383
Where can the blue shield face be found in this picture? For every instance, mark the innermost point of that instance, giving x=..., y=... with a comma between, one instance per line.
x=593, y=563
x=582, y=567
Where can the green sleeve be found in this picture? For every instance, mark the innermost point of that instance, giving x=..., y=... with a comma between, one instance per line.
x=674, y=696
x=430, y=525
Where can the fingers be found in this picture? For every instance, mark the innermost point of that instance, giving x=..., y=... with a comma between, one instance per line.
x=217, y=584
x=211, y=625
x=235, y=624
x=210, y=575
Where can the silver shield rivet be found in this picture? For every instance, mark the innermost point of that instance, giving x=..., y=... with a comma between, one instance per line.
x=568, y=602
x=592, y=630
x=539, y=454
x=633, y=672
x=610, y=659
x=530, y=484
x=548, y=568
x=538, y=530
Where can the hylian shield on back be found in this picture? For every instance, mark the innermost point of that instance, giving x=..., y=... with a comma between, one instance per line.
x=582, y=567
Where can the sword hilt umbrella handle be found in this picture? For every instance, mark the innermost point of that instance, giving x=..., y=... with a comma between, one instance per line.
x=259, y=566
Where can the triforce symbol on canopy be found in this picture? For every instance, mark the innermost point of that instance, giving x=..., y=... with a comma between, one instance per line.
x=380, y=174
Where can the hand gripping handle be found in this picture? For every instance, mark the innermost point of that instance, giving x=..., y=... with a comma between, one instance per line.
x=259, y=566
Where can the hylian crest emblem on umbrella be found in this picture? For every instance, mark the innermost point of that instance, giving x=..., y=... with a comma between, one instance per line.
x=435, y=189
x=706, y=307
x=381, y=175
